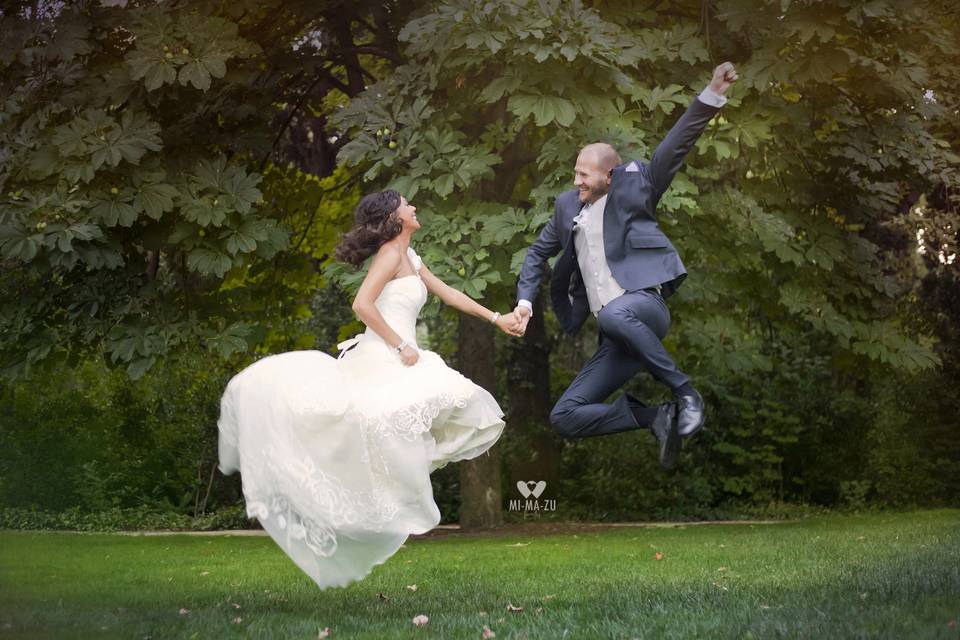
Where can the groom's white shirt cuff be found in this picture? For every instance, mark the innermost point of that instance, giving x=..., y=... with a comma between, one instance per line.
x=526, y=304
x=712, y=98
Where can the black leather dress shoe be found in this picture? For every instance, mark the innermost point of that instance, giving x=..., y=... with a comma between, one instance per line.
x=691, y=415
x=664, y=427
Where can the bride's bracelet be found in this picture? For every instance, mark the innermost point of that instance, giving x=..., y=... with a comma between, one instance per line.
x=400, y=347
x=495, y=317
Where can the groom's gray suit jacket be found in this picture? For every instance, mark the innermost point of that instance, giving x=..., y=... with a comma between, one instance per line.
x=638, y=253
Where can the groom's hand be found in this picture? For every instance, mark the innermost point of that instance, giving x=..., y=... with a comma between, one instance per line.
x=723, y=76
x=509, y=325
x=523, y=315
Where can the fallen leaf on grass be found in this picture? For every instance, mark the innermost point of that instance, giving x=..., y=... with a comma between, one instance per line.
x=184, y=612
x=412, y=587
x=204, y=573
x=420, y=620
x=519, y=544
x=658, y=555
x=382, y=597
x=324, y=633
x=514, y=609
x=235, y=605
x=487, y=633
x=237, y=620
x=549, y=597
x=952, y=624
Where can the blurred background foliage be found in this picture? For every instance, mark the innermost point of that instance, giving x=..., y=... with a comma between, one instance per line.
x=174, y=177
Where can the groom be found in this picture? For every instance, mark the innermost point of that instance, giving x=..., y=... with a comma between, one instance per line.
x=616, y=263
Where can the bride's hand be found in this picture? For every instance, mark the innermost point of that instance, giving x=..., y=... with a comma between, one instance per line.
x=409, y=356
x=508, y=324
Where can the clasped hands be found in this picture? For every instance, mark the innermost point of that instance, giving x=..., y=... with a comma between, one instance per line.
x=515, y=322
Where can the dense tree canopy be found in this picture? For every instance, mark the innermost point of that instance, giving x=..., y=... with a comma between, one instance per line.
x=155, y=170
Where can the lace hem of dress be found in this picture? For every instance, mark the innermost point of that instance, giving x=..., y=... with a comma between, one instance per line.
x=338, y=505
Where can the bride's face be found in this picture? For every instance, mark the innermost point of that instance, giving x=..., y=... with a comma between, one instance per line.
x=407, y=215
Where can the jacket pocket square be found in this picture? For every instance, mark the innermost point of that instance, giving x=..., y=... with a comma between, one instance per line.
x=632, y=167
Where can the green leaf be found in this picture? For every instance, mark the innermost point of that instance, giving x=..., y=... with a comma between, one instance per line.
x=212, y=174
x=232, y=340
x=195, y=73
x=204, y=211
x=136, y=135
x=155, y=199
x=208, y=262
x=443, y=185
x=501, y=229
x=545, y=109
x=137, y=368
x=663, y=98
x=239, y=242
x=277, y=240
x=112, y=212
x=151, y=67
x=496, y=89
x=24, y=248
x=241, y=187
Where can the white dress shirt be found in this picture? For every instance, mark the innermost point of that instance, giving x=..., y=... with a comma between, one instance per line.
x=600, y=284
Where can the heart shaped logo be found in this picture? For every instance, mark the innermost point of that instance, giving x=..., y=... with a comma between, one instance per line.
x=526, y=488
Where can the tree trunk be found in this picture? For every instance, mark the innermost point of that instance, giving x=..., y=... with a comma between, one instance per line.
x=535, y=450
x=480, y=493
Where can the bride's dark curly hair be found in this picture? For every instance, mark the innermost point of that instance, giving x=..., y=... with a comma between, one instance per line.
x=375, y=222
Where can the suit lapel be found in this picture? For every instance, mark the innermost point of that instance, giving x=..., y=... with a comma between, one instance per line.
x=568, y=215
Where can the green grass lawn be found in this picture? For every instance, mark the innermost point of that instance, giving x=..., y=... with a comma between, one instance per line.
x=864, y=576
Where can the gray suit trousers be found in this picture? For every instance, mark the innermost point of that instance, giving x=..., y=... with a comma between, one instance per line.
x=632, y=328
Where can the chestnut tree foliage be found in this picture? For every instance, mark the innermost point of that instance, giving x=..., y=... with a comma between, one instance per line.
x=782, y=209
x=155, y=197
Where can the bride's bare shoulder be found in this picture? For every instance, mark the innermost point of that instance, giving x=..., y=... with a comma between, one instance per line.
x=388, y=254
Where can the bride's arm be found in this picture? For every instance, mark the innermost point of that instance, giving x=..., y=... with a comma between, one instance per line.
x=385, y=265
x=462, y=302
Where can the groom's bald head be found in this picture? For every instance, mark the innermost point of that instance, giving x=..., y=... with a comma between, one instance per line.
x=592, y=172
x=604, y=155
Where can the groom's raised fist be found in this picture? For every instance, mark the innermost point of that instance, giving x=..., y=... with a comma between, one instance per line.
x=723, y=76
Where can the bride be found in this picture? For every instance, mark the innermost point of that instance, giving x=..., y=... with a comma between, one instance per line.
x=335, y=454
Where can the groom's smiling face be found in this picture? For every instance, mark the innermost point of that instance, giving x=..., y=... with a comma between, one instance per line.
x=590, y=177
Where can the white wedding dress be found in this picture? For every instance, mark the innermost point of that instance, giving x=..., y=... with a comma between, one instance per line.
x=335, y=454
